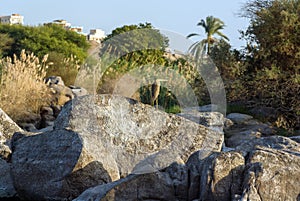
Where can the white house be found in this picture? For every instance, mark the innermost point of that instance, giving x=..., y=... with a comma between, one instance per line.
x=96, y=35
x=12, y=19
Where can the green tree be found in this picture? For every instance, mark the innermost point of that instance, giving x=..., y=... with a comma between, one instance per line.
x=132, y=46
x=273, y=62
x=44, y=39
x=212, y=26
x=5, y=43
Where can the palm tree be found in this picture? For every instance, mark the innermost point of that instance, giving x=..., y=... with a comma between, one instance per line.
x=212, y=26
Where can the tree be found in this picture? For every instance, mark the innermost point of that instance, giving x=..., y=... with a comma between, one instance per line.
x=274, y=33
x=212, y=26
x=41, y=40
x=5, y=43
x=273, y=61
x=131, y=46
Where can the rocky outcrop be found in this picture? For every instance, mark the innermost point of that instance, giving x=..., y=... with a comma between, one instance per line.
x=109, y=147
x=244, y=129
x=99, y=139
x=272, y=175
x=263, y=173
x=170, y=184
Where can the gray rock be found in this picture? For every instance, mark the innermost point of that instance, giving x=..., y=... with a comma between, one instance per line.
x=239, y=118
x=78, y=91
x=129, y=137
x=272, y=175
x=295, y=138
x=7, y=126
x=275, y=142
x=53, y=166
x=30, y=127
x=54, y=80
x=7, y=189
x=170, y=184
x=212, y=120
x=215, y=176
x=248, y=130
x=107, y=137
x=5, y=151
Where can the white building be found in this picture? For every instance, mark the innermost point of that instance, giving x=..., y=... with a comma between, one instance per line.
x=12, y=19
x=96, y=35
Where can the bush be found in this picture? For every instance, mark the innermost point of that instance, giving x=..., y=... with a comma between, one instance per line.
x=66, y=68
x=22, y=87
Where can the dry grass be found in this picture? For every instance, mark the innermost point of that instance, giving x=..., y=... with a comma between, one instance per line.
x=22, y=87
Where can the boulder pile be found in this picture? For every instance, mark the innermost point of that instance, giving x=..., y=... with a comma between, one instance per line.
x=108, y=147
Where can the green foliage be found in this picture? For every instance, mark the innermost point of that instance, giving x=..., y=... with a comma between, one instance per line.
x=273, y=61
x=127, y=38
x=44, y=39
x=66, y=68
x=148, y=45
x=212, y=26
x=5, y=43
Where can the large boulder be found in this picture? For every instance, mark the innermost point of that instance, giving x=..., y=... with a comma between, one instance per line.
x=257, y=172
x=7, y=189
x=215, y=176
x=53, y=166
x=100, y=139
x=272, y=174
x=170, y=184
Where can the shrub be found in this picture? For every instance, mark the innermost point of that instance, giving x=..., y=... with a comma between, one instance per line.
x=66, y=68
x=22, y=87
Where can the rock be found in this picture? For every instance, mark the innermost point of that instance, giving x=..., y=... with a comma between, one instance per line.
x=54, y=80
x=295, y=138
x=61, y=94
x=112, y=138
x=237, y=138
x=46, y=110
x=78, y=91
x=53, y=166
x=7, y=126
x=7, y=189
x=130, y=137
x=215, y=176
x=212, y=120
x=28, y=127
x=275, y=142
x=239, y=118
x=248, y=130
x=5, y=151
x=272, y=175
x=170, y=184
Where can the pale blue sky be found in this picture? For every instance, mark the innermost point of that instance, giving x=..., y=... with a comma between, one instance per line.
x=176, y=16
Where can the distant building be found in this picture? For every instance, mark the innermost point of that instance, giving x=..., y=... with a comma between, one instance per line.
x=76, y=29
x=96, y=35
x=62, y=23
x=12, y=19
x=66, y=25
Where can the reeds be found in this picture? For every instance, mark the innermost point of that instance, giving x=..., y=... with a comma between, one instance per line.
x=22, y=87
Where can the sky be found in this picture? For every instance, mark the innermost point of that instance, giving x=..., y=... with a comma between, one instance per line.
x=180, y=17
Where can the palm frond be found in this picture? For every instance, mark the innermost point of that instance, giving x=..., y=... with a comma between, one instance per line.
x=192, y=34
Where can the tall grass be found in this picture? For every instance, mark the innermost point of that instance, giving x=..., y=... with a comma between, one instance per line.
x=22, y=87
